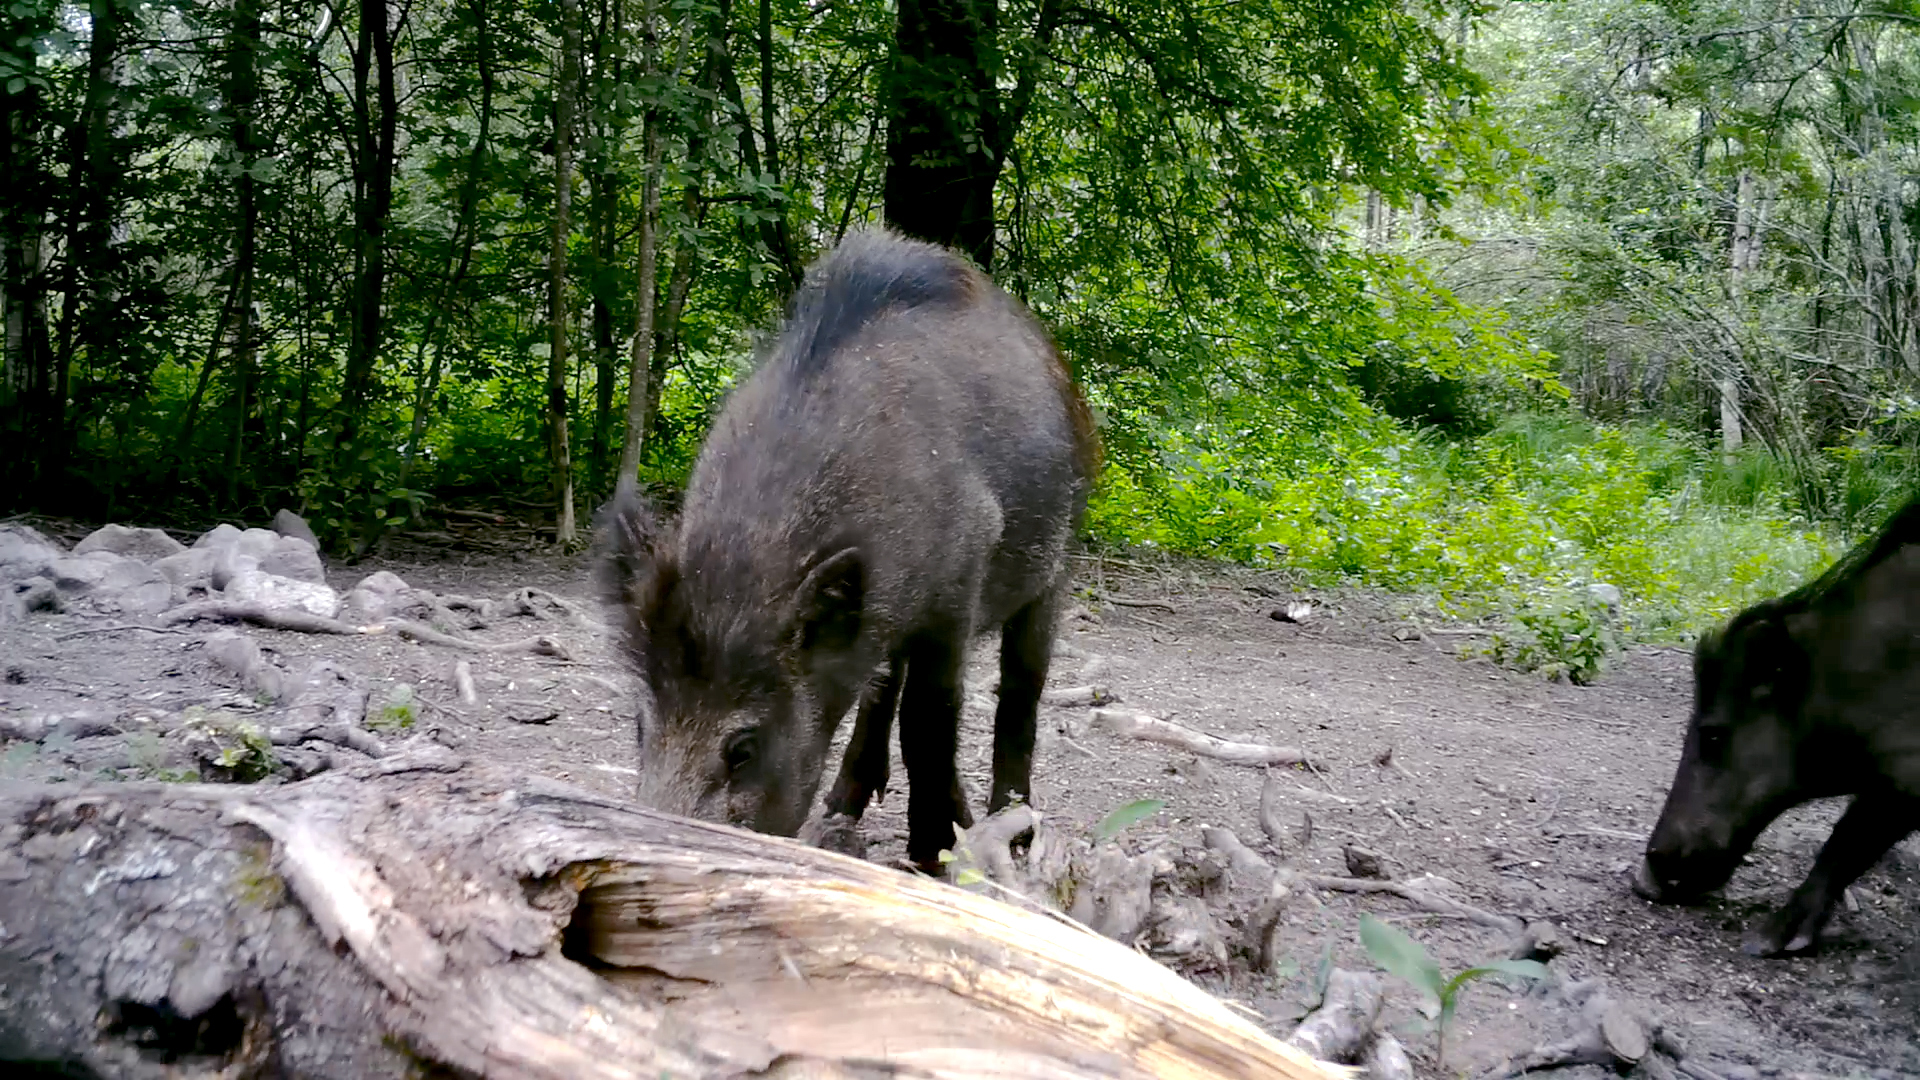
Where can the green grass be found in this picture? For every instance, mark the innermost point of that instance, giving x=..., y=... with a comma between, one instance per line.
x=1519, y=519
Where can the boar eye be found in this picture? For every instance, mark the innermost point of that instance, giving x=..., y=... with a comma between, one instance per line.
x=742, y=747
x=1713, y=743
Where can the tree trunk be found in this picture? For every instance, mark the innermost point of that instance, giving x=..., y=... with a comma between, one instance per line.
x=420, y=914
x=88, y=322
x=945, y=142
x=1742, y=258
x=641, y=359
x=603, y=175
x=243, y=96
x=27, y=387
x=566, y=94
x=428, y=359
x=775, y=234
x=374, y=120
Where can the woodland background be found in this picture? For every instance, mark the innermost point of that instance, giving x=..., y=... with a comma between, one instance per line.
x=1487, y=303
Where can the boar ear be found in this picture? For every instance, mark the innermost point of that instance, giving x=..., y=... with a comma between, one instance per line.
x=828, y=604
x=631, y=538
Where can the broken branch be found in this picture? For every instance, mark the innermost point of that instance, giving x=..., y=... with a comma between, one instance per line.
x=1152, y=729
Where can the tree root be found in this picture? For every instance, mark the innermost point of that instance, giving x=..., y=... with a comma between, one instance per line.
x=1152, y=729
x=1609, y=1034
x=523, y=601
x=1412, y=892
x=115, y=629
x=1341, y=1028
x=427, y=635
x=1270, y=810
x=1241, y=859
x=292, y=619
x=343, y=735
x=463, y=683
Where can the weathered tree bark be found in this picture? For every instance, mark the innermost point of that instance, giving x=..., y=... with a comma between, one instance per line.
x=243, y=95
x=641, y=364
x=428, y=359
x=419, y=915
x=1743, y=256
x=375, y=124
x=566, y=95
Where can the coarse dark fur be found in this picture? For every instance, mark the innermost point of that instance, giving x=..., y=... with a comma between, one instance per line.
x=903, y=470
x=1813, y=694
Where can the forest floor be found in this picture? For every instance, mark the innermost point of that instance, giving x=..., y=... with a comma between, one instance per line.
x=1534, y=797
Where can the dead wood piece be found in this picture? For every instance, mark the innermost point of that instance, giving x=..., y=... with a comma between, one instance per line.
x=522, y=711
x=1241, y=858
x=292, y=619
x=1298, y=612
x=523, y=601
x=1263, y=927
x=1270, y=810
x=343, y=735
x=1539, y=940
x=1363, y=862
x=1609, y=1033
x=1183, y=931
x=1069, y=696
x=116, y=628
x=1114, y=895
x=421, y=914
x=463, y=683
x=1152, y=729
x=1418, y=891
x=990, y=843
x=427, y=635
x=1122, y=601
x=1341, y=1027
x=1387, y=1059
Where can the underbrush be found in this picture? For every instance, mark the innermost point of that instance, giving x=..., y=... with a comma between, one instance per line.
x=1526, y=523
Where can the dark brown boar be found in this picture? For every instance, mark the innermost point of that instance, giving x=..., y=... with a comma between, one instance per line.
x=1811, y=695
x=902, y=471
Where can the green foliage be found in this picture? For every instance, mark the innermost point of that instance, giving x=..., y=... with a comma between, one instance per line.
x=1568, y=638
x=1514, y=522
x=1406, y=958
x=1126, y=817
x=397, y=715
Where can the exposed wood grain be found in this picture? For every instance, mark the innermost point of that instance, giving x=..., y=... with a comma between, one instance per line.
x=420, y=912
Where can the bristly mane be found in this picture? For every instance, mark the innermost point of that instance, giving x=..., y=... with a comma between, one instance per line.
x=1901, y=529
x=870, y=274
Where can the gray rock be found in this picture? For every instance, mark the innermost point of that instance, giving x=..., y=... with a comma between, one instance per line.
x=135, y=588
x=24, y=553
x=274, y=591
x=228, y=564
x=78, y=575
x=146, y=545
x=258, y=543
x=295, y=558
x=220, y=536
x=191, y=567
x=1604, y=594
x=288, y=523
x=377, y=597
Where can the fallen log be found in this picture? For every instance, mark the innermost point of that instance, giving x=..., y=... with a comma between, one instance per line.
x=1134, y=725
x=417, y=915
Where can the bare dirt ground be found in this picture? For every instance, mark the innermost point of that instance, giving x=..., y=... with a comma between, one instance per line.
x=1534, y=798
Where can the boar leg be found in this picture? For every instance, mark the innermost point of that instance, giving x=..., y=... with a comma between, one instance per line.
x=863, y=774
x=929, y=738
x=1874, y=823
x=1026, y=647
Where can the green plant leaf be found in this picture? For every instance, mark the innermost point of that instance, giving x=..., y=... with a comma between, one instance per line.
x=969, y=876
x=1403, y=956
x=1525, y=969
x=1120, y=820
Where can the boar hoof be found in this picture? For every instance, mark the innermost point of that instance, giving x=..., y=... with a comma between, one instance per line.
x=1792, y=930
